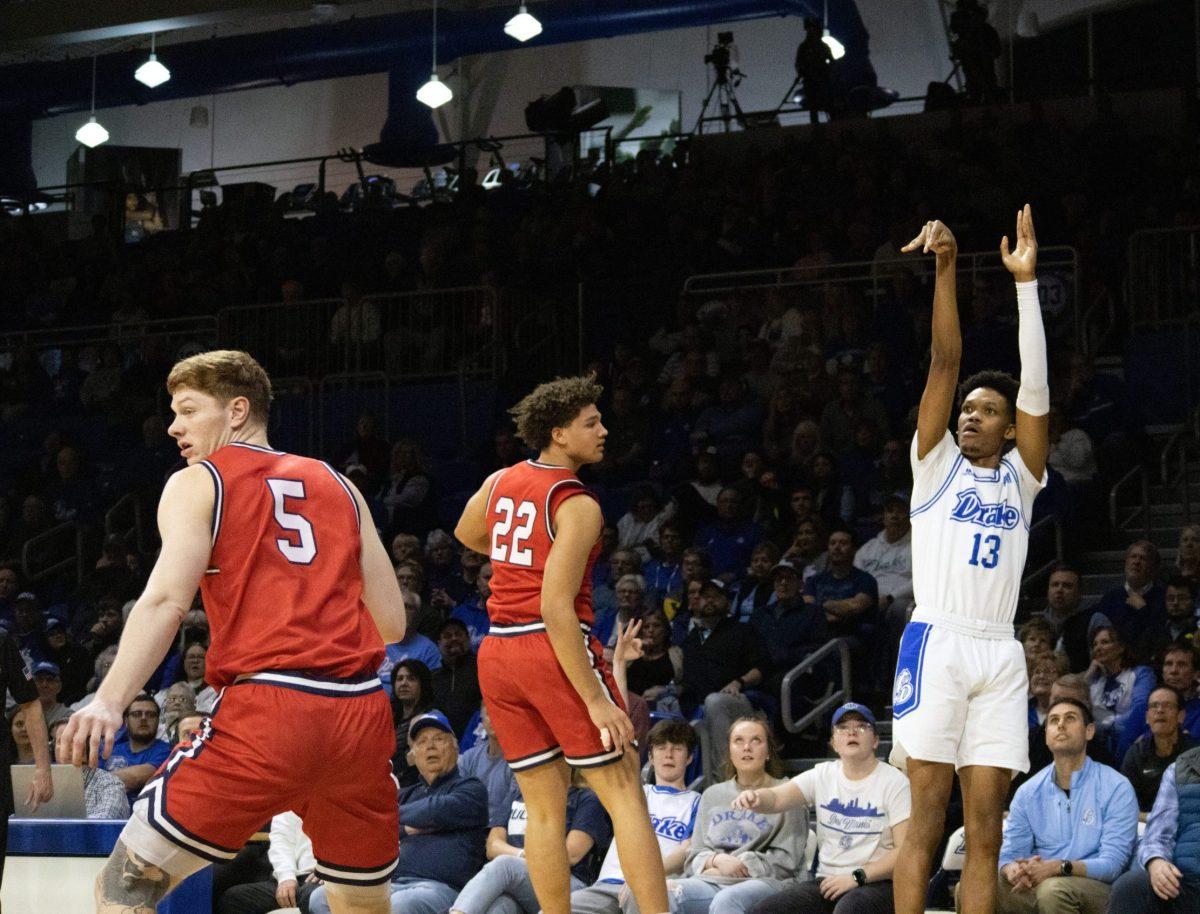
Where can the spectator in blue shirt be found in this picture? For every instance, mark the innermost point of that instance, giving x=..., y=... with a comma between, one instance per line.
x=1071, y=827
x=443, y=820
x=415, y=646
x=1178, y=671
x=1170, y=880
x=664, y=572
x=1139, y=602
x=135, y=758
x=472, y=612
x=792, y=626
x=730, y=539
x=756, y=589
x=503, y=886
x=849, y=596
x=485, y=761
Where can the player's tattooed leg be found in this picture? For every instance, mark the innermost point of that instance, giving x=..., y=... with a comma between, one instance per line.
x=130, y=885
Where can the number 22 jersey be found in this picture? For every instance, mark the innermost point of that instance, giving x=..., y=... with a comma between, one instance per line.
x=520, y=520
x=970, y=533
x=283, y=590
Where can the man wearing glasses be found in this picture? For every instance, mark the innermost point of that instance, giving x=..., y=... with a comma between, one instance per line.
x=135, y=758
x=862, y=807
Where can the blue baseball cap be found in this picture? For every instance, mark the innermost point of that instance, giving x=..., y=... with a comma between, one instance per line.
x=47, y=667
x=429, y=719
x=853, y=707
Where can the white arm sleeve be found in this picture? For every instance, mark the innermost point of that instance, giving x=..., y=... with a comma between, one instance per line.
x=1034, y=396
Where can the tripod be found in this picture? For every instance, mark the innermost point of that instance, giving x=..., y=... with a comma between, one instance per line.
x=727, y=101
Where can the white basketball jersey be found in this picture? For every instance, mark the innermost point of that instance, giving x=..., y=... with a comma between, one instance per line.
x=673, y=815
x=970, y=533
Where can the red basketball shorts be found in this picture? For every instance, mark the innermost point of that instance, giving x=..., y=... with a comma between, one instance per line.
x=535, y=711
x=287, y=741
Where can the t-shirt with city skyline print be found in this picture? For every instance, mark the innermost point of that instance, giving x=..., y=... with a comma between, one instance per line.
x=854, y=818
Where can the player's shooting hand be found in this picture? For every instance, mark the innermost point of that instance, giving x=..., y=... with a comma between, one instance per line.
x=629, y=645
x=1022, y=260
x=1164, y=878
x=935, y=237
x=88, y=737
x=285, y=893
x=616, y=729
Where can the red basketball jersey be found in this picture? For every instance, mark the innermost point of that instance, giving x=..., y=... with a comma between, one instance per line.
x=520, y=519
x=283, y=590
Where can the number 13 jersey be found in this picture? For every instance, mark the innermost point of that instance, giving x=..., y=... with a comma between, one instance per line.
x=283, y=590
x=970, y=534
x=520, y=520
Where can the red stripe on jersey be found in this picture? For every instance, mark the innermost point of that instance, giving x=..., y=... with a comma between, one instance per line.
x=520, y=521
x=284, y=590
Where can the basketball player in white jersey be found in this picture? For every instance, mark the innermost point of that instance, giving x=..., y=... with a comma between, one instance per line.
x=961, y=689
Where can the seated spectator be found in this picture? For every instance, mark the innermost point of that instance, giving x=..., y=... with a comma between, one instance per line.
x=472, y=612
x=1061, y=854
x=415, y=646
x=1071, y=452
x=103, y=793
x=20, y=738
x=443, y=568
x=733, y=423
x=292, y=880
x=697, y=498
x=848, y=596
x=1168, y=878
x=456, y=681
x=842, y=415
x=10, y=586
x=672, y=812
x=738, y=856
x=72, y=660
x=135, y=758
x=1037, y=638
x=1179, y=670
x=106, y=630
x=176, y=702
x=406, y=547
x=1140, y=601
x=1187, y=556
x=664, y=572
x=792, y=626
x=661, y=663
x=486, y=762
x=1179, y=623
x=756, y=588
x=72, y=493
x=1116, y=683
x=808, y=548
x=1072, y=685
x=48, y=679
x=28, y=625
x=412, y=696
x=503, y=885
x=862, y=807
x=191, y=672
x=622, y=562
x=729, y=539
x=888, y=559
x=1150, y=755
x=1072, y=623
x=834, y=501
x=367, y=449
x=104, y=662
x=639, y=527
x=444, y=820
x=722, y=659
x=630, y=590
x=696, y=570
x=1043, y=672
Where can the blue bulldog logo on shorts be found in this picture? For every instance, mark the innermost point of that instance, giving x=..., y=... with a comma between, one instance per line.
x=906, y=692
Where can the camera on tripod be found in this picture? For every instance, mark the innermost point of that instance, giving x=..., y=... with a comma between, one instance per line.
x=723, y=59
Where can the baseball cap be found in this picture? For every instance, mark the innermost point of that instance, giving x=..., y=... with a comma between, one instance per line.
x=47, y=667
x=429, y=719
x=26, y=595
x=785, y=565
x=853, y=707
x=715, y=583
x=53, y=622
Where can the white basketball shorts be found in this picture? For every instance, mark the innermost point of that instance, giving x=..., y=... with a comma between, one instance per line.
x=960, y=698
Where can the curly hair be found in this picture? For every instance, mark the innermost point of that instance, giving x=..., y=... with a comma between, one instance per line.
x=1000, y=381
x=552, y=405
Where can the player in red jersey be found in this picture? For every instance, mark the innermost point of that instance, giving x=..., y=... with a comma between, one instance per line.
x=550, y=696
x=300, y=597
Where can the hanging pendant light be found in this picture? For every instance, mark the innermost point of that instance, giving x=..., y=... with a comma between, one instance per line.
x=92, y=133
x=836, y=48
x=152, y=73
x=523, y=26
x=434, y=93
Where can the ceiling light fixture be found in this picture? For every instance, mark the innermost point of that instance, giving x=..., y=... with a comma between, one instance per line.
x=523, y=26
x=836, y=48
x=92, y=133
x=434, y=93
x=152, y=73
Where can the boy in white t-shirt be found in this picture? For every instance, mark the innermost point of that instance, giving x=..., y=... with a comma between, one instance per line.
x=862, y=808
x=672, y=812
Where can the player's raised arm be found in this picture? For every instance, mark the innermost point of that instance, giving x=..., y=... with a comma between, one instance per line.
x=577, y=523
x=1033, y=398
x=381, y=591
x=933, y=417
x=185, y=526
x=471, y=529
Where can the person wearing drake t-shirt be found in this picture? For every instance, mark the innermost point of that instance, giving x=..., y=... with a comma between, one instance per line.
x=135, y=758
x=672, y=811
x=862, y=807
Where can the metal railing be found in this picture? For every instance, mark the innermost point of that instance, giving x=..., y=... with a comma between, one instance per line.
x=54, y=551
x=1185, y=441
x=1162, y=276
x=1137, y=474
x=169, y=334
x=1058, y=274
x=1047, y=525
x=822, y=708
x=125, y=518
x=425, y=334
